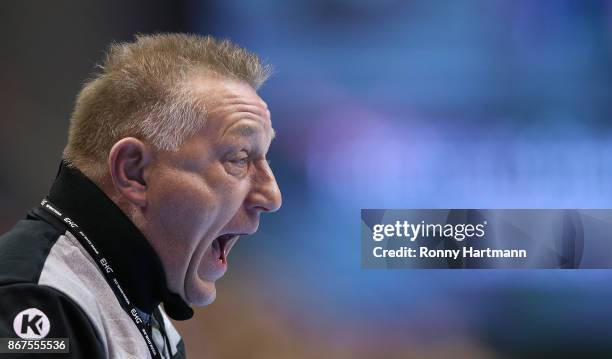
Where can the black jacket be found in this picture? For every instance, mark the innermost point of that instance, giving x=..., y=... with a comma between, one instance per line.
x=51, y=287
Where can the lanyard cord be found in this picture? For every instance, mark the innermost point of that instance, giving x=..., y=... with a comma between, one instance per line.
x=105, y=267
x=161, y=327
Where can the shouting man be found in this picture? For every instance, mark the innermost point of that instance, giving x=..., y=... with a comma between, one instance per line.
x=165, y=168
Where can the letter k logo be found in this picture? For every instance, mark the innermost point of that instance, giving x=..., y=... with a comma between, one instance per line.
x=26, y=324
x=31, y=324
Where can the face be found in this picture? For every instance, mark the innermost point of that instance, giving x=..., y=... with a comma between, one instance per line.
x=203, y=197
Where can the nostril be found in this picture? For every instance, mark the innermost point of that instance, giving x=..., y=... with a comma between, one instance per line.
x=265, y=196
x=261, y=209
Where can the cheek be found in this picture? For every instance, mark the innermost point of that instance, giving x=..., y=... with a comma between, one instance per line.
x=232, y=194
x=181, y=206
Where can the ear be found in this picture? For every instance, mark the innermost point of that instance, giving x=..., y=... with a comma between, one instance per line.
x=128, y=159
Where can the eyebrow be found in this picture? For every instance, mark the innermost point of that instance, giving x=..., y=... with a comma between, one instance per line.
x=246, y=131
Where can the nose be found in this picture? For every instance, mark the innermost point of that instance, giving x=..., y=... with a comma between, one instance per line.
x=265, y=195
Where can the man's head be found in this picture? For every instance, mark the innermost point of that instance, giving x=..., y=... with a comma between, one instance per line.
x=174, y=132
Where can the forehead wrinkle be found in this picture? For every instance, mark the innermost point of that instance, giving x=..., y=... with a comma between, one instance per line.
x=227, y=104
x=237, y=102
x=246, y=129
x=233, y=98
x=215, y=93
x=237, y=112
x=245, y=108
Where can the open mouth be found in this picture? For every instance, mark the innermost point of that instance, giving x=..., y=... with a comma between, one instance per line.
x=223, y=244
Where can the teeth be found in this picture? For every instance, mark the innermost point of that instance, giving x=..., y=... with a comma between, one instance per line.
x=223, y=244
x=222, y=240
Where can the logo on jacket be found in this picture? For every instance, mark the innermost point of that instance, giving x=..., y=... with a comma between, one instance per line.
x=31, y=324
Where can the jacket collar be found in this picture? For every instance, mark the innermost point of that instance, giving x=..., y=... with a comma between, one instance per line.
x=134, y=261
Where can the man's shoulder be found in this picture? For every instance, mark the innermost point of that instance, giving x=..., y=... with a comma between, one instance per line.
x=24, y=250
x=42, y=253
x=56, y=275
x=41, y=265
x=28, y=307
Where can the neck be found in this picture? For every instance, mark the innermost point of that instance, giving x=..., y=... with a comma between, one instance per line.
x=115, y=227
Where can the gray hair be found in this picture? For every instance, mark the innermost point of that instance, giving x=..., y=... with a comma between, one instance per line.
x=142, y=91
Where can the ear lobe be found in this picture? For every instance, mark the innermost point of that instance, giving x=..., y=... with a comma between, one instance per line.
x=128, y=159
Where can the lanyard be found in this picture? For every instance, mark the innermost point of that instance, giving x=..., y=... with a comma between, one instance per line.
x=106, y=269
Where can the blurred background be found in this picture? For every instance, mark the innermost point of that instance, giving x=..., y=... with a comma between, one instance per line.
x=377, y=104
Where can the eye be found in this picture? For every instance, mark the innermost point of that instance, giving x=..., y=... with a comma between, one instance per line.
x=239, y=162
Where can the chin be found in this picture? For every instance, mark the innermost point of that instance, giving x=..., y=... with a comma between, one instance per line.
x=201, y=294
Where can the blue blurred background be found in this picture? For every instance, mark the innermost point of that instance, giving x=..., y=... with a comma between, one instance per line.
x=377, y=104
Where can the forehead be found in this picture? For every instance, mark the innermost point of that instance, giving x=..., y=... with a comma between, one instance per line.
x=234, y=114
x=229, y=101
